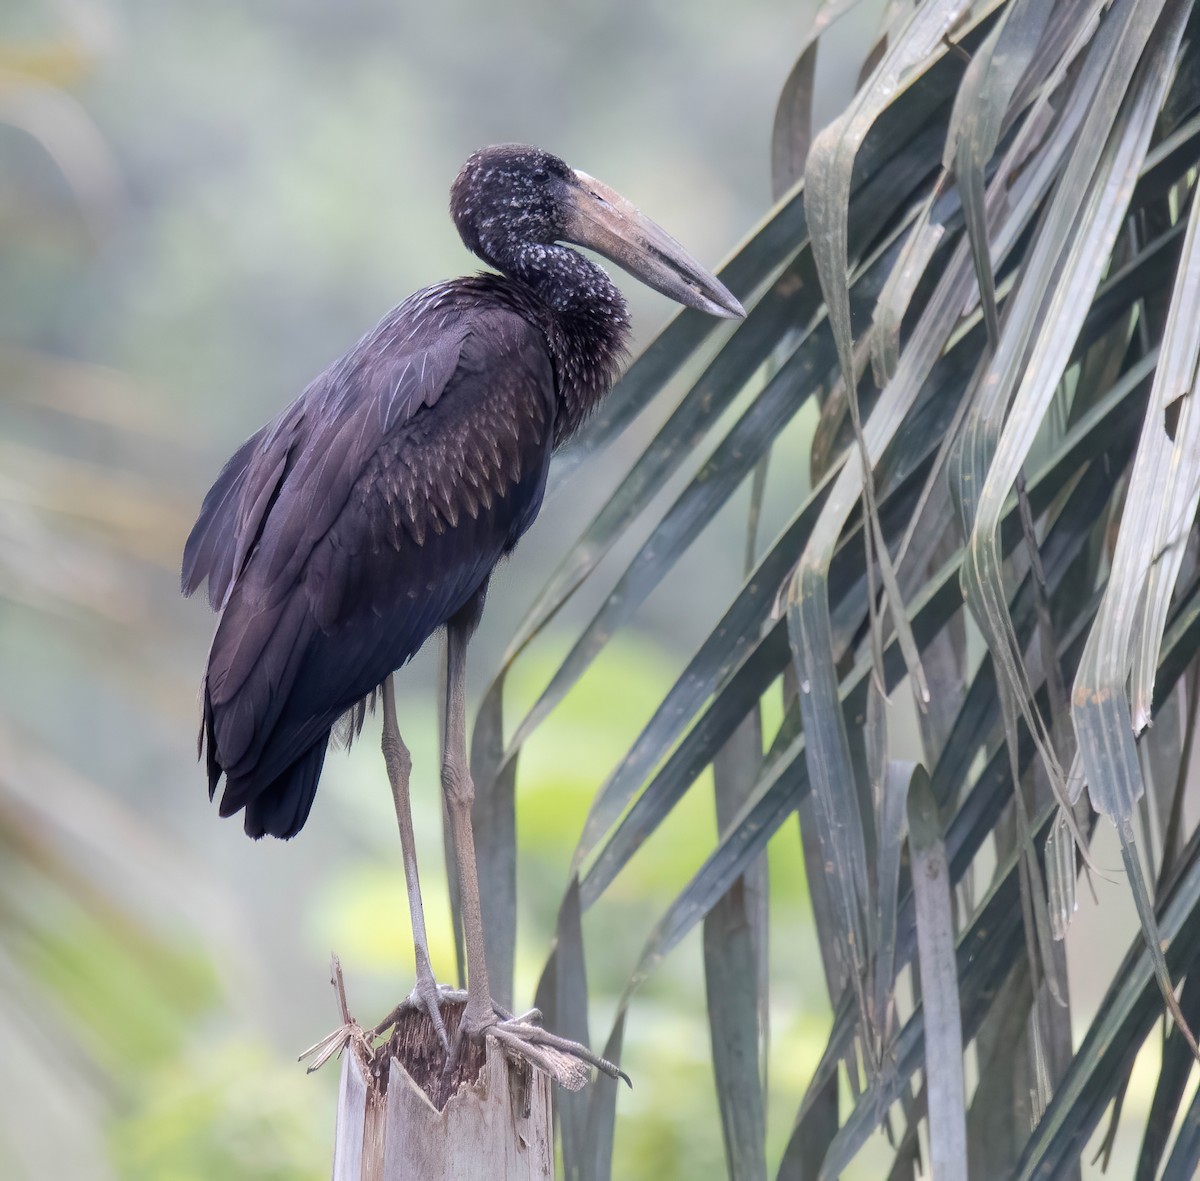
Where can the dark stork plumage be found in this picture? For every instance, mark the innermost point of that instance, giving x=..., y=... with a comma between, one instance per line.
x=373, y=510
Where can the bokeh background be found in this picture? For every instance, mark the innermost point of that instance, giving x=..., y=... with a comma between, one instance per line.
x=200, y=206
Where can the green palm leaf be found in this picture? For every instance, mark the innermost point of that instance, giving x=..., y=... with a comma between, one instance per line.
x=1010, y=244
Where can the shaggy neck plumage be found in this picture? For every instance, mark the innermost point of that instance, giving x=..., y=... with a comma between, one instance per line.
x=587, y=325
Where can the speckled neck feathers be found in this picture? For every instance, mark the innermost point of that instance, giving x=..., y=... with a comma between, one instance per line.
x=582, y=315
x=504, y=205
x=586, y=322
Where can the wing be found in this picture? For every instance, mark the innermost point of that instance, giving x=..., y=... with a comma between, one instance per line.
x=314, y=449
x=386, y=518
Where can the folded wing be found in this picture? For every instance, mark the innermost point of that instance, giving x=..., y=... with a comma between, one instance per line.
x=346, y=532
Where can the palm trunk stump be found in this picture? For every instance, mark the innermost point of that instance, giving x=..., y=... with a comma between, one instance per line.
x=401, y=1119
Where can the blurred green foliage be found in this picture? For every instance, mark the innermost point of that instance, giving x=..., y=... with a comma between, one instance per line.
x=228, y=1109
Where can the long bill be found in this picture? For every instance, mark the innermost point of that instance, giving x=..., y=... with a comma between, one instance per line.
x=602, y=220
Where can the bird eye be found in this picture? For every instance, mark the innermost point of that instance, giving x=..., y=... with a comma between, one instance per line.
x=540, y=175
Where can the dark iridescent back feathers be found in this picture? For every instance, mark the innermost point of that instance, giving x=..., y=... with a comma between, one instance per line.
x=375, y=507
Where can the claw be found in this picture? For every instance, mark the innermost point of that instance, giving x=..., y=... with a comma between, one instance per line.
x=427, y=996
x=459, y=996
x=565, y=1061
x=535, y=1035
x=452, y=1054
x=565, y=1069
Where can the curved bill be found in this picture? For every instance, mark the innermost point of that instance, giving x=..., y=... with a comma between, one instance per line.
x=602, y=220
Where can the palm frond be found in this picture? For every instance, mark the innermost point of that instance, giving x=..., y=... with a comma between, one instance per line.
x=983, y=284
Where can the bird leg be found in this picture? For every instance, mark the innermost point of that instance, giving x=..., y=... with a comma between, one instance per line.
x=425, y=994
x=567, y=1062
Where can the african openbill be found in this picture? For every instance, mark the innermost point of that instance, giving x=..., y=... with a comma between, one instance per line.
x=372, y=511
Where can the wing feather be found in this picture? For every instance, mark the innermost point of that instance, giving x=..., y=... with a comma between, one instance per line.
x=346, y=532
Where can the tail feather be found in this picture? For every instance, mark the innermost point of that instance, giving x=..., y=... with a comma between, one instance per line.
x=208, y=743
x=278, y=808
x=252, y=668
x=281, y=808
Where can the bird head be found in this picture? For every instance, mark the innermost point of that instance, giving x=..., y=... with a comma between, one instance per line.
x=513, y=193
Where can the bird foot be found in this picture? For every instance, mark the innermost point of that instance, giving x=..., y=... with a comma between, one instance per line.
x=521, y=1037
x=426, y=997
x=421, y=1002
x=568, y=1063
